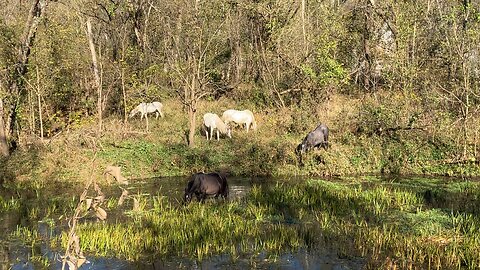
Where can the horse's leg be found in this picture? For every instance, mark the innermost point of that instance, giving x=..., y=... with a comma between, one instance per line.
x=248, y=125
x=211, y=132
x=146, y=118
x=218, y=135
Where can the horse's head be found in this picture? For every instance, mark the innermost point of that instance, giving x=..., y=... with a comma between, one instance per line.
x=187, y=197
x=229, y=131
x=133, y=112
x=301, y=148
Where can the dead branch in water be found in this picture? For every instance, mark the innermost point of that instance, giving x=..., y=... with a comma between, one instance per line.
x=73, y=255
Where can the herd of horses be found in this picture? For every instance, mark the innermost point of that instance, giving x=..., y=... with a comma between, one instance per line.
x=212, y=122
x=203, y=185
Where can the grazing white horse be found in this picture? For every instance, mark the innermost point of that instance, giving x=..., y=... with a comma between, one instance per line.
x=144, y=108
x=211, y=122
x=240, y=117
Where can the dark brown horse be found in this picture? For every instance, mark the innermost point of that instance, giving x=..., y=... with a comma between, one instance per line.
x=203, y=185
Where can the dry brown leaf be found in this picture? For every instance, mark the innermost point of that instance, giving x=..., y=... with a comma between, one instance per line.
x=101, y=214
x=71, y=265
x=99, y=199
x=89, y=203
x=115, y=172
x=76, y=243
x=81, y=261
x=122, y=197
x=98, y=190
x=136, y=204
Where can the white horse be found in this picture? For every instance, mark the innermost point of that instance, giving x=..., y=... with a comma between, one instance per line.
x=144, y=108
x=211, y=122
x=240, y=117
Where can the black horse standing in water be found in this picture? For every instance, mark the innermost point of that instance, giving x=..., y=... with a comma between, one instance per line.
x=206, y=184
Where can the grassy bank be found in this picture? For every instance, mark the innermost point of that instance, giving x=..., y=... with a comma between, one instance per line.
x=363, y=140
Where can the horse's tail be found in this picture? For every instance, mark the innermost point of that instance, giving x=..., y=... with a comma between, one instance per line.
x=160, y=109
x=254, y=123
x=225, y=189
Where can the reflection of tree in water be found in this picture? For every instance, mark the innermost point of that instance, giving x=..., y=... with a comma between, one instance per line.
x=3, y=256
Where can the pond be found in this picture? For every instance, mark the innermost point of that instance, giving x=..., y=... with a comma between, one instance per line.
x=44, y=212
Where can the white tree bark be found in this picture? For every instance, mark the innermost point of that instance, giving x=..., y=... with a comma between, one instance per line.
x=95, y=74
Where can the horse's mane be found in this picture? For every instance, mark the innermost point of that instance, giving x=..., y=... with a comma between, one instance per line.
x=190, y=183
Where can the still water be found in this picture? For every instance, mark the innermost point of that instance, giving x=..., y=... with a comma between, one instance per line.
x=14, y=255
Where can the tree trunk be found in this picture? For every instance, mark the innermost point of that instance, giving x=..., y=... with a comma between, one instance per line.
x=39, y=100
x=31, y=103
x=192, y=112
x=124, y=96
x=9, y=130
x=40, y=115
x=96, y=75
x=3, y=138
x=367, y=57
x=304, y=31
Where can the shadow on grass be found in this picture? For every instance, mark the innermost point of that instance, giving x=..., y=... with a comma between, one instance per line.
x=241, y=155
x=20, y=162
x=288, y=199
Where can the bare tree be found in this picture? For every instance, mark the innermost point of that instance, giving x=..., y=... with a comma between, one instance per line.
x=462, y=91
x=3, y=138
x=16, y=87
x=98, y=84
x=195, y=41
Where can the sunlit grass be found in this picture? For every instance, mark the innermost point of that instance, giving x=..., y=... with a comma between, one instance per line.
x=388, y=224
x=197, y=231
x=9, y=204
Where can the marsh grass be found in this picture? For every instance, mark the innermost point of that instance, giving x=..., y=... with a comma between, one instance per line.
x=388, y=224
x=197, y=231
x=385, y=224
x=9, y=204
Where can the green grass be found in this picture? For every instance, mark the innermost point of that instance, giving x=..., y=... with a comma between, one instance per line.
x=388, y=224
x=9, y=204
x=198, y=231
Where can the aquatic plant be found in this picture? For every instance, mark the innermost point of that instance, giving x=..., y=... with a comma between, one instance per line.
x=197, y=231
x=386, y=225
x=9, y=204
x=402, y=224
x=383, y=224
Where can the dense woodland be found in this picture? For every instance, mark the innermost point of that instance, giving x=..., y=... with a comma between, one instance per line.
x=412, y=65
